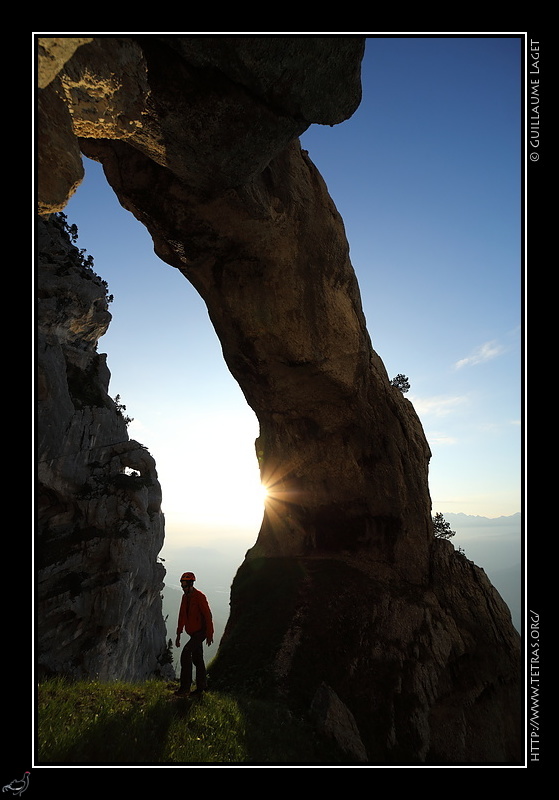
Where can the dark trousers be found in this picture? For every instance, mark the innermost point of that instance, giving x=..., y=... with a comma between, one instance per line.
x=193, y=655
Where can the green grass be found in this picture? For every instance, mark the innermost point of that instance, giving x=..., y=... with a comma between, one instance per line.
x=90, y=722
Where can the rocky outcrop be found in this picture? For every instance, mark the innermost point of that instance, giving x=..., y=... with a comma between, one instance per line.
x=99, y=520
x=334, y=720
x=346, y=586
x=429, y=673
x=245, y=98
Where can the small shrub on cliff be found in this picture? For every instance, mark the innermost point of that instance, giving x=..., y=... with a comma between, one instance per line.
x=120, y=407
x=83, y=260
x=442, y=528
x=401, y=382
x=167, y=655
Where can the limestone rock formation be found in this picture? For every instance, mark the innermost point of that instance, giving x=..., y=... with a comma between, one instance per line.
x=346, y=585
x=100, y=525
x=333, y=719
x=429, y=671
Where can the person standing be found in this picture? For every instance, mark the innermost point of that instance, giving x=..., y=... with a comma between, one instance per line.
x=195, y=618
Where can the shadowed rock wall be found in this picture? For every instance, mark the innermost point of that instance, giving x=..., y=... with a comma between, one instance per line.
x=346, y=593
x=99, y=520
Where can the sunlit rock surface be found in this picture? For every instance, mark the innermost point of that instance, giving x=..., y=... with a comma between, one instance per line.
x=346, y=587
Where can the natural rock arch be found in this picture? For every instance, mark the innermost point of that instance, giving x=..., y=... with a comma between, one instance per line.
x=198, y=139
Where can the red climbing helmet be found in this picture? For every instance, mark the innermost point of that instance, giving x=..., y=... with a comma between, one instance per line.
x=188, y=576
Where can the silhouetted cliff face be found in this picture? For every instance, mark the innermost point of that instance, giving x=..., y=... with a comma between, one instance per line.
x=100, y=525
x=346, y=592
x=429, y=672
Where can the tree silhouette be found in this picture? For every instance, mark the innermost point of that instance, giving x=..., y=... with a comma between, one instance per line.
x=442, y=528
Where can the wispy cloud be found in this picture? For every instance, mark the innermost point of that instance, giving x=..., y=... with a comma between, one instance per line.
x=437, y=406
x=436, y=439
x=483, y=353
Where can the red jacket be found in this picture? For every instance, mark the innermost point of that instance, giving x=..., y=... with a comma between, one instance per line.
x=195, y=614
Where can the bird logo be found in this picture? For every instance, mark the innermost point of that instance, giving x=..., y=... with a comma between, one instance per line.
x=17, y=787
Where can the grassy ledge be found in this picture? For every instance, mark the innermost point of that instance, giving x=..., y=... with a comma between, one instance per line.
x=89, y=722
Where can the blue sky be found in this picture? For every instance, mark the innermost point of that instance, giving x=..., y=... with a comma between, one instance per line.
x=427, y=178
